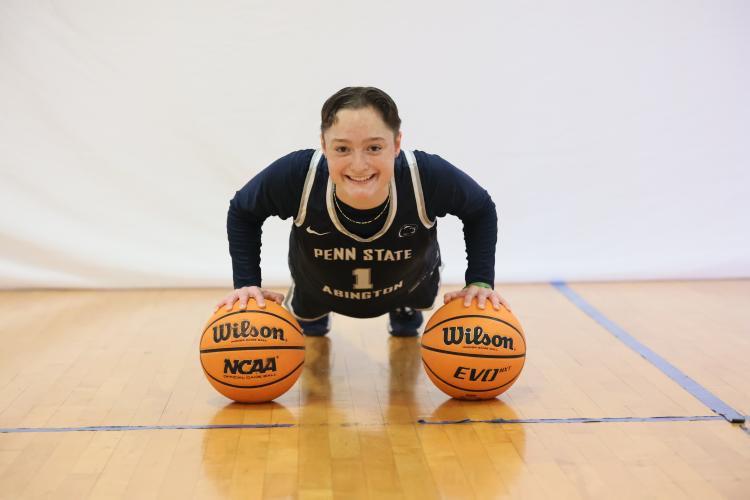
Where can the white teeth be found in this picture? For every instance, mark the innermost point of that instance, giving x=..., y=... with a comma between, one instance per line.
x=361, y=179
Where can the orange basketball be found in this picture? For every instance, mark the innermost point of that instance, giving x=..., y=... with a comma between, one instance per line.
x=252, y=355
x=472, y=353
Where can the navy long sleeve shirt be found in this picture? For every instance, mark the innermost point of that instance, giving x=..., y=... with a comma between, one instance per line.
x=277, y=191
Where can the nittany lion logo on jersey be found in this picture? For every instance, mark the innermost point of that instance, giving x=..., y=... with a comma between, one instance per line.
x=407, y=230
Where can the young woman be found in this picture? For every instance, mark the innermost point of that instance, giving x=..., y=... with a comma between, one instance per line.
x=364, y=240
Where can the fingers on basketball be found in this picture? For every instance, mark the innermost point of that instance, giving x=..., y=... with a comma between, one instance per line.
x=226, y=302
x=258, y=296
x=243, y=296
x=503, y=303
x=276, y=297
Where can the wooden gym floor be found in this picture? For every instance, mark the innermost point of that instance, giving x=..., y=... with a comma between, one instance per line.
x=129, y=359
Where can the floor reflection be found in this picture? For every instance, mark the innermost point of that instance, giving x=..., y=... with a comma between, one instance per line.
x=407, y=395
x=315, y=380
x=234, y=461
x=405, y=365
x=504, y=444
x=359, y=399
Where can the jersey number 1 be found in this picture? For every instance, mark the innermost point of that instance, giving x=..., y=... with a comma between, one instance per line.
x=362, y=278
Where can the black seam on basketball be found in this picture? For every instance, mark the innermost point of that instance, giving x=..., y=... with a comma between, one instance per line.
x=478, y=316
x=252, y=386
x=501, y=356
x=468, y=390
x=254, y=311
x=223, y=349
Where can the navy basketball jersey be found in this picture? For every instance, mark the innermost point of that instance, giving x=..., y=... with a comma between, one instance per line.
x=336, y=270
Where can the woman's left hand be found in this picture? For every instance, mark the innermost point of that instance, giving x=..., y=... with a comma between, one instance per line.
x=482, y=294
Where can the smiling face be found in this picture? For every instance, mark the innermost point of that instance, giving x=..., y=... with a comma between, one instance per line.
x=361, y=151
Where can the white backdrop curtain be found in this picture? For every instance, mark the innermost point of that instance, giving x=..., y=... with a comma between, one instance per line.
x=613, y=136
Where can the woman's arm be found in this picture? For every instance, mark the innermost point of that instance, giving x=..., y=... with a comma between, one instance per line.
x=275, y=191
x=448, y=190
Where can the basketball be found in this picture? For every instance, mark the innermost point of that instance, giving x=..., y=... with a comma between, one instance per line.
x=252, y=355
x=472, y=353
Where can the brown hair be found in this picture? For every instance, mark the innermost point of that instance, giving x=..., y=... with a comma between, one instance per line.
x=358, y=98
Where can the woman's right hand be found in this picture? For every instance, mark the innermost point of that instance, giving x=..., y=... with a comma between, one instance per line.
x=246, y=293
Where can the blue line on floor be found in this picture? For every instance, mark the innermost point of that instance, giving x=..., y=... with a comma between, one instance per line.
x=97, y=428
x=687, y=383
x=576, y=420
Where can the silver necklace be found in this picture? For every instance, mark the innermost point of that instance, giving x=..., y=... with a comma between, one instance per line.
x=341, y=211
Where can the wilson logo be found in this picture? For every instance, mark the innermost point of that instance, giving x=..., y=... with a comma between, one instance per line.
x=249, y=366
x=483, y=375
x=244, y=330
x=476, y=336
